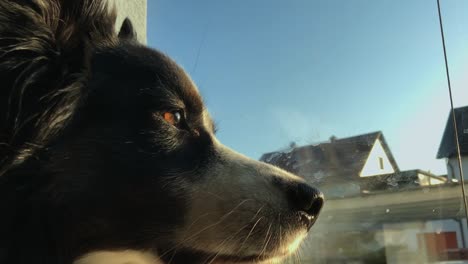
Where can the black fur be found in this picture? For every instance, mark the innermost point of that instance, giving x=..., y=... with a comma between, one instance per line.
x=77, y=102
x=86, y=156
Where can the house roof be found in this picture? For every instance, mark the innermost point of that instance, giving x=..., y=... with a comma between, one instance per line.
x=339, y=158
x=398, y=180
x=447, y=148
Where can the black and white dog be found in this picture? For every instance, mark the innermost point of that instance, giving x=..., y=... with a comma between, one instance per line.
x=108, y=155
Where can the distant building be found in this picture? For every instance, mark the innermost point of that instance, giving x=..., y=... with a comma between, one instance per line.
x=400, y=181
x=392, y=216
x=448, y=148
x=350, y=166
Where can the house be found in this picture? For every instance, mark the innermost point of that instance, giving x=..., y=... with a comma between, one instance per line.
x=448, y=148
x=392, y=216
x=400, y=181
x=350, y=166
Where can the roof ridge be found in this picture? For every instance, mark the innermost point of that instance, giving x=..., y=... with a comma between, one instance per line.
x=378, y=134
x=461, y=107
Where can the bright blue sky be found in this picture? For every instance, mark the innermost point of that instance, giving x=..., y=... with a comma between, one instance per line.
x=272, y=72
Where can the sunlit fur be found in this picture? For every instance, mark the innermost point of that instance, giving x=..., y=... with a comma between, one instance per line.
x=91, y=172
x=118, y=257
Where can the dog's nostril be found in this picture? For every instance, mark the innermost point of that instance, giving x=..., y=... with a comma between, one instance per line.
x=316, y=206
x=307, y=199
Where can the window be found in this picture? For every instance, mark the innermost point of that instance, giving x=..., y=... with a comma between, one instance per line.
x=334, y=77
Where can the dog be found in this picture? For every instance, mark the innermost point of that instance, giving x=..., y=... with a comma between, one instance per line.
x=108, y=154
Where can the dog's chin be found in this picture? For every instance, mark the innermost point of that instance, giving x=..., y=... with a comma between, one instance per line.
x=188, y=255
x=195, y=255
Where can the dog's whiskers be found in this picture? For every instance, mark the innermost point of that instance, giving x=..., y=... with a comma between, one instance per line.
x=215, y=195
x=225, y=241
x=197, y=219
x=280, y=235
x=253, y=227
x=267, y=240
x=250, y=232
x=205, y=228
x=172, y=257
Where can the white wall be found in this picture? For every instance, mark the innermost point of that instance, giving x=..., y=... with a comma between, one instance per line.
x=372, y=165
x=425, y=180
x=453, y=171
x=434, y=181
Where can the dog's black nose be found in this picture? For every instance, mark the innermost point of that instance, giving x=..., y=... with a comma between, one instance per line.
x=307, y=200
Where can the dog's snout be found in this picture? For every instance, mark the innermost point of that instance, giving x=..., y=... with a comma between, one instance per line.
x=307, y=200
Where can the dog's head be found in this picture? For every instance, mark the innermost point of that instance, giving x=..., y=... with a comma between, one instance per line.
x=136, y=165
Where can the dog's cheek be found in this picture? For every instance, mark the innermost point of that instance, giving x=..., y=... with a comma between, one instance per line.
x=217, y=212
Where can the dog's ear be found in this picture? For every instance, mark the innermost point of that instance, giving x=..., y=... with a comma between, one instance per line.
x=127, y=31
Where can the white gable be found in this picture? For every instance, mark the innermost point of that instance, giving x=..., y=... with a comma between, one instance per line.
x=377, y=163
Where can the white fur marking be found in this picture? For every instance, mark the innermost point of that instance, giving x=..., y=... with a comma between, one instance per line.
x=118, y=257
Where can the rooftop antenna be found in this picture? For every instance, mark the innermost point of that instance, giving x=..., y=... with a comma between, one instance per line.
x=455, y=127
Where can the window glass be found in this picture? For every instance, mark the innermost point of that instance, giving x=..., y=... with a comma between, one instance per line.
x=350, y=95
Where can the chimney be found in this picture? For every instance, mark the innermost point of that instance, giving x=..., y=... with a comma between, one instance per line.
x=292, y=144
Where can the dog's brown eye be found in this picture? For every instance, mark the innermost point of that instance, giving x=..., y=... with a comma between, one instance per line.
x=174, y=118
